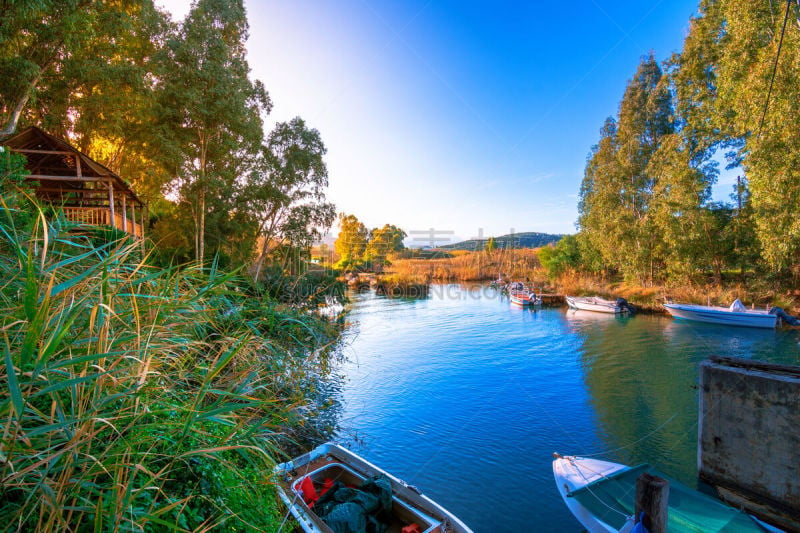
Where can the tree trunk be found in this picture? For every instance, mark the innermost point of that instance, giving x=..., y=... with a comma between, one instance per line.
x=11, y=123
x=201, y=226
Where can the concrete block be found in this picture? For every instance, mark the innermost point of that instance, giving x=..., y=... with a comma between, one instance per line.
x=749, y=435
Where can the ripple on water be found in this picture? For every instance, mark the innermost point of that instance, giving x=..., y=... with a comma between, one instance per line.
x=466, y=396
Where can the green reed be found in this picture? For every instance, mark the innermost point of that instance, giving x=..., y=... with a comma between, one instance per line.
x=136, y=398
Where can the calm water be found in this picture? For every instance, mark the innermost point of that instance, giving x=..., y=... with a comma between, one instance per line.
x=466, y=396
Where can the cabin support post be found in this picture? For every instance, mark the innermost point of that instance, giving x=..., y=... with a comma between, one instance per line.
x=652, y=498
x=112, y=221
x=124, y=215
x=133, y=217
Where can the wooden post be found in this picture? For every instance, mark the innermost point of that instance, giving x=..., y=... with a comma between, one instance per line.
x=133, y=217
x=652, y=499
x=124, y=215
x=111, y=222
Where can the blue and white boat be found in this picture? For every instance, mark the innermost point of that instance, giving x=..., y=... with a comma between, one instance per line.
x=728, y=316
x=601, y=496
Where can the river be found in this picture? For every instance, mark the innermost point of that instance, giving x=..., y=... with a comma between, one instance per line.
x=466, y=396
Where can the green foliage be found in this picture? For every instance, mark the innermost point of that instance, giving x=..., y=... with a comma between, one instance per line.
x=285, y=192
x=362, y=249
x=561, y=258
x=525, y=239
x=491, y=245
x=351, y=244
x=725, y=91
x=382, y=242
x=210, y=119
x=141, y=398
x=618, y=186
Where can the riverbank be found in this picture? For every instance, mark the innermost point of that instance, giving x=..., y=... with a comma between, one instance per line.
x=139, y=397
x=524, y=265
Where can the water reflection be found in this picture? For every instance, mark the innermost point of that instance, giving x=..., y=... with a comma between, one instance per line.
x=466, y=396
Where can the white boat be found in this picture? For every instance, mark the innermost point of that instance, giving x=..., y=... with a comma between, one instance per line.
x=328, y=464
x=601, y=495
x=729, y=316
x=597, y=304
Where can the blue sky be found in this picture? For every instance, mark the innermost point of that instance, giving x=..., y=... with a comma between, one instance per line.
x=463, y=116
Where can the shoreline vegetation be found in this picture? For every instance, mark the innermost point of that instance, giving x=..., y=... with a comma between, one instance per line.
x=153, y=385
x=139, y=397
x=525, y=265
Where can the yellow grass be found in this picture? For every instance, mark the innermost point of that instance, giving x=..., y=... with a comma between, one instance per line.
x=472, y=266
x=651, y=298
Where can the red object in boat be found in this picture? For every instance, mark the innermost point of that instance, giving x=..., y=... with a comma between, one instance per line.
x=309, y=492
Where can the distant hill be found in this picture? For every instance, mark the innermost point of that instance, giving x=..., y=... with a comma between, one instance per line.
x=529, y=239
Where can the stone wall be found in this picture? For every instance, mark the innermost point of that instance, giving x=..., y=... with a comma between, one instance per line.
x=749, y=436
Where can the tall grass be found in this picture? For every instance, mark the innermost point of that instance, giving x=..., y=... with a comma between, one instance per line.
x=472, y=266
x=134, y=398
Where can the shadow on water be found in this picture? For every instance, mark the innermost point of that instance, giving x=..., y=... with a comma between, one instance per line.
x=466, y=396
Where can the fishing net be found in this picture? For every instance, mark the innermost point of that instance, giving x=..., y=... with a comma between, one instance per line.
x=366, y=509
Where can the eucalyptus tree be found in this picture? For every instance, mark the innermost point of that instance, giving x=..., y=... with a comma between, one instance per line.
x=57, y=56
x=737, y=82
x=209, y=110
x=760, y=78
x=286, y=190
x=36, y=38
x=617, y=189
x=113, y=104
x=598, y=204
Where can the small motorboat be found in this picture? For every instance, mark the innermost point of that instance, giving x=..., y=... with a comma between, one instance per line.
x=599, y=305
x=522, y=295
x=329, y=475
x=601, y=496
x=735, y=315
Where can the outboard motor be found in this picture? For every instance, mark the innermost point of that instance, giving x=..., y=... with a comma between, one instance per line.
x=786, y=317
x=623, y=304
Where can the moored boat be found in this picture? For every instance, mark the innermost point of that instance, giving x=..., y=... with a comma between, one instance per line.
x=599, y=305
x=317, y=481
x=522, y=295
x=601, y=494
x=524, y=298
x=728, y=316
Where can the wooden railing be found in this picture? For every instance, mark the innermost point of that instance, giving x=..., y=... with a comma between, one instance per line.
x=99, y=216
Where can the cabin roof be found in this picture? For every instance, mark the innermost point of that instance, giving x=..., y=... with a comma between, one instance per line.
x=52, y=159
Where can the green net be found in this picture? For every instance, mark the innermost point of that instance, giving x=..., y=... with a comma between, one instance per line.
x=611, y=500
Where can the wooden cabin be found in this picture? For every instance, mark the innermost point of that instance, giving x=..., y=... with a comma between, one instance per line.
x=86, y=191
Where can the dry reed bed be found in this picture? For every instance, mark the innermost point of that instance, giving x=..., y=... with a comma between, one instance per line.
x=471, y=266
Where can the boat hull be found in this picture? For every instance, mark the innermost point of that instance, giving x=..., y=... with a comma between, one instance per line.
x=601, y=494
x=722, y=316
x=525, y=299
x=598, y=305
x=571, y=475
x=331, y=460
